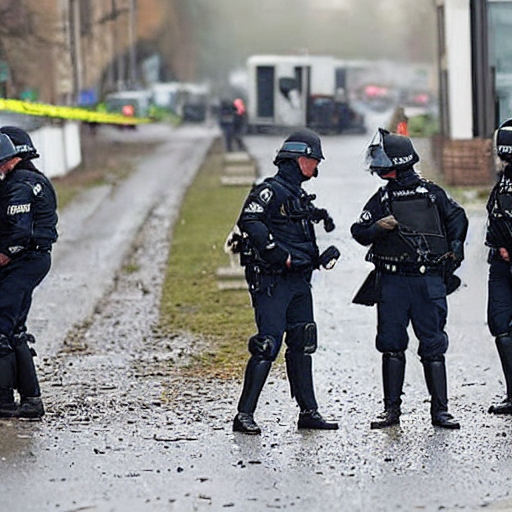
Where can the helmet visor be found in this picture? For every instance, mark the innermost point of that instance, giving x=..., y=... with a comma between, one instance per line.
x=301, y=149
x=376, y=158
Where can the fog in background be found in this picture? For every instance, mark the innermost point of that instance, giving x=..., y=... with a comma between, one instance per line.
x=228, y=31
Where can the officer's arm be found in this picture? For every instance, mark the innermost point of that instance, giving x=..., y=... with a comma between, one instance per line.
x=18, y=219
x=499, y=228
x=369, y=227
x=455, y=222
x=254, y=222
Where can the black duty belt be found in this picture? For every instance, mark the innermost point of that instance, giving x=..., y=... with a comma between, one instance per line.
x=410, y=270
x=43, y=247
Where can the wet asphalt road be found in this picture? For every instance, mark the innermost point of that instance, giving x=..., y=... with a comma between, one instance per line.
x=122, y=433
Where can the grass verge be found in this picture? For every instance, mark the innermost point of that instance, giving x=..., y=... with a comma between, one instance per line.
x=191, y=300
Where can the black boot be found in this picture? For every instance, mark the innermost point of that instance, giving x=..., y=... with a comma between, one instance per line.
x=435, y=376
x=313, y=420
x=504, y=346
x=8, y=408
x=256, y=374
x=300, y=376
x=31, y=407
x=244, y=422
x=27, y=382
x=393, y=372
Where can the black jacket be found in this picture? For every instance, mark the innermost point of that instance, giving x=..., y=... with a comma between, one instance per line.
x=28, y=211
x=499, y=210
x=452, y=217
x=277, y=218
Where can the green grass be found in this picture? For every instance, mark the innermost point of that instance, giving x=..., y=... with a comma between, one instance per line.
x=423, y=125
x=191, y=300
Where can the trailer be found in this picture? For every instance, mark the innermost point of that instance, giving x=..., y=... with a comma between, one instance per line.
x=287, y=91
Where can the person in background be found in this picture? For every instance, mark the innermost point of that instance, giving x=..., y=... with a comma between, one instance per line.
x=399, y=123
x=239, y=123
x=226, y=118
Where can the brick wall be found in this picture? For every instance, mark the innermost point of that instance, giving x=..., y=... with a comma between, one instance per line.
x=465, y=162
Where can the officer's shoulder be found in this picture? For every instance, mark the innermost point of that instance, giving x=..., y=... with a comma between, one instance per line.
x=31, y=178
x=265, y=190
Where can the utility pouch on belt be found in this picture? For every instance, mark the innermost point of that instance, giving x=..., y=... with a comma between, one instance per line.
x=253, y=277
x=369, y=293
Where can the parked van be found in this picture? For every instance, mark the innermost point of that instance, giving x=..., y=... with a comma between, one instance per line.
x=296, y=91
x=140, y=100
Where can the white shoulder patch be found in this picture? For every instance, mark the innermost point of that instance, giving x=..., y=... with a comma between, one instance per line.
x=365, y=216
x=253, y=208
x=266, y=195
x=15, y=209
x=37, y=189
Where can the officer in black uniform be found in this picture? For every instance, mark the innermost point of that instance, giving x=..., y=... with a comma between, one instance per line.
x=279, y=250
x=227, y=119
x=28, y=221
x=416, y=235
x=499, y=240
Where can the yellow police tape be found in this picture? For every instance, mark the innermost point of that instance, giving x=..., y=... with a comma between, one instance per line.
x=80, y=114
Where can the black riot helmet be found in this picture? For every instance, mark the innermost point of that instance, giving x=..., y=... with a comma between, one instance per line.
x=503, y=141
x=390, y=152
x=7, y=148
x=302, y=142
x=24, y=146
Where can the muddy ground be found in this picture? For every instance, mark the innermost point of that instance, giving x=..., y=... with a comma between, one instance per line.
x=126, y=431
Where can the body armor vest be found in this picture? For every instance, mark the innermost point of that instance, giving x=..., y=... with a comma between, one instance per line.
x=419, y=237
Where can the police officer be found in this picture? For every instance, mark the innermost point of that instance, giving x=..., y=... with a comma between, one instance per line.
x=227, y=117
x=416, y=235
x=499, y=240
x=28, y=221
x=280, y=252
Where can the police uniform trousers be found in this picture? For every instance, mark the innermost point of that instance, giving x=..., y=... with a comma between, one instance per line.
x=18, y=280
x=282, y=302
x=499, y=304
x=420, y=300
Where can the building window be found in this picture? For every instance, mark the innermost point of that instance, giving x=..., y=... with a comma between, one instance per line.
x=500, y=55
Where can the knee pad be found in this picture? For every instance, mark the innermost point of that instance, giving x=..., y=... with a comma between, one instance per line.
x=302, y=338
x=263, y=346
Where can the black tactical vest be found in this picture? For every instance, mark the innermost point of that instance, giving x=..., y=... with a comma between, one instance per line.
x=420, y=237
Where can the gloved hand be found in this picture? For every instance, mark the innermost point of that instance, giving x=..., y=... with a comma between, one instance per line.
x=322, y=214
x=329, y=257
x=389, y=223
x=457, y=253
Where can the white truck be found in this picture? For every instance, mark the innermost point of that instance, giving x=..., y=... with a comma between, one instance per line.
x=286, y=91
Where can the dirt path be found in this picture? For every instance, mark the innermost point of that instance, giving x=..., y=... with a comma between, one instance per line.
x=125, y=432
